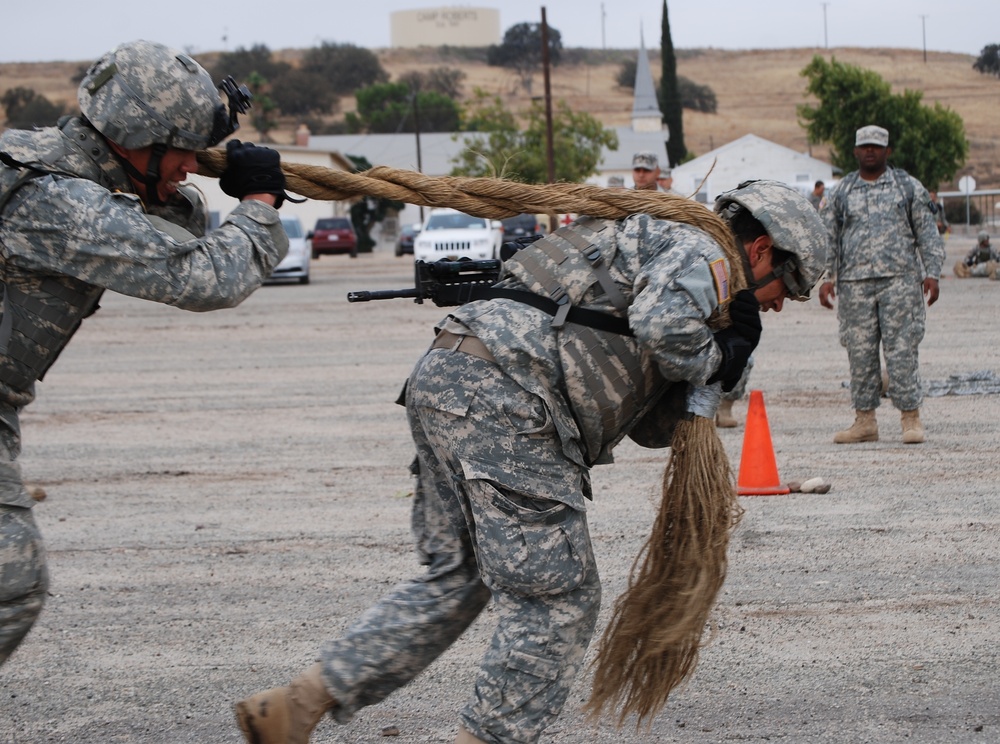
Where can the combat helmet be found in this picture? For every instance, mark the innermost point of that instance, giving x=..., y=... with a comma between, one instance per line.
x=793, y=224
x=143, y=93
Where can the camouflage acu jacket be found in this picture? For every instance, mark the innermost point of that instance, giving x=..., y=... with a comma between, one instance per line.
x=71, y=228
x=597, y=385
x=878, y=230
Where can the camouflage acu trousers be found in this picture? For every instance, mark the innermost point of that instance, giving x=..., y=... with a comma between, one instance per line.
x=24, y=578
x=488, y=520
x=888, y=311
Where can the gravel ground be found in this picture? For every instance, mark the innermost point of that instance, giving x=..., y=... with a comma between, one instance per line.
x=224, y=491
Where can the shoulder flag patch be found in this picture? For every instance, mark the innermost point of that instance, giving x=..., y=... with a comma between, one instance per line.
x=721, y=277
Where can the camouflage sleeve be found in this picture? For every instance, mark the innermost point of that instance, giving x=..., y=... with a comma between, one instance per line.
x=930, y=246
x=830, y=219
x=77, y=228
x=675, y=293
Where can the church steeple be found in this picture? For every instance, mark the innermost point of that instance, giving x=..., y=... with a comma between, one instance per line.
x=646, y=114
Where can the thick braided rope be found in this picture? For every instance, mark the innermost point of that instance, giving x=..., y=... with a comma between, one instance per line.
x=496, y=198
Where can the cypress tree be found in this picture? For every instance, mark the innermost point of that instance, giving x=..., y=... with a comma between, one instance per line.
x=670, y=96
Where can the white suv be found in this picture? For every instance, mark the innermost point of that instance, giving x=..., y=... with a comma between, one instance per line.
x=448, y=233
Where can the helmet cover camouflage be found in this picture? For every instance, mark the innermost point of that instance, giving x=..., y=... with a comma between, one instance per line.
x=790, y=219
x=142, y=93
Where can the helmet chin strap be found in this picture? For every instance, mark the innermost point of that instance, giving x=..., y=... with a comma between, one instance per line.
x=151, y=178
x=153, y=174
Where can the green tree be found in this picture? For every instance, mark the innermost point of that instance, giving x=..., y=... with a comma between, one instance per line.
x=696, y=97
x=625, y=77
x=444, y=80
x=670, y=96
x=386, y=108
x=291, y=91
x=928, y=142
x=299, y=93
x=345, y=67
x=988, y=61
x=502, y=149
x=521, y=50
x=368, y=211
x=25, y=108
x=263, y=112
x=242, y=63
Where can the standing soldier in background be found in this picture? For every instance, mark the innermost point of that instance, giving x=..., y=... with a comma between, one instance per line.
x=816, y=195
x=96, y=203
x=645, y=170
x=885, y=258
x=937, y=208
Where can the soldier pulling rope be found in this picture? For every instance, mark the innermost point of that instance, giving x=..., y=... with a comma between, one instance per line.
x=625, y=323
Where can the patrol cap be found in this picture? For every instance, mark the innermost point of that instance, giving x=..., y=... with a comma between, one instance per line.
x=616, y=182
x=646, y=160
x=871, y=135
x=983, y=235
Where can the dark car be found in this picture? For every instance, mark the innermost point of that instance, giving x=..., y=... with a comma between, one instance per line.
x=333, y=235
x=520, y=225
x=404, y=243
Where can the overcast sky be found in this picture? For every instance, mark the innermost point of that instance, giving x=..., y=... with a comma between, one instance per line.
x=48, y=30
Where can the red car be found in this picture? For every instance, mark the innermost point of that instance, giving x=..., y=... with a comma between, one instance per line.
x=333, y=235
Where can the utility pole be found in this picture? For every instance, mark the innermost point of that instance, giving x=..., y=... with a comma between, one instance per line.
x=416, y=128
x=549, y=153
x=604, y=15
x=826, y=44
x=923, y=24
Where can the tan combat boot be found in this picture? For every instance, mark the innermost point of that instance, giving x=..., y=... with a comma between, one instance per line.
x=962, y=271
x=285, y=715
x=864, y=429
x=913, y=430
x=464, y=737
x=724, y=415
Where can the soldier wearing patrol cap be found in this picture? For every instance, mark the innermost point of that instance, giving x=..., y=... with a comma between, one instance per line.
x=96, y=203
x=517, y=398
x=885, y=259
x=645, y=170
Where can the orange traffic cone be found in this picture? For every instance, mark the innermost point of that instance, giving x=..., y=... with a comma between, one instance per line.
x=758, y=469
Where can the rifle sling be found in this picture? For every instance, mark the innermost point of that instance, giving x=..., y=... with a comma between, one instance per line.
x=580, y=316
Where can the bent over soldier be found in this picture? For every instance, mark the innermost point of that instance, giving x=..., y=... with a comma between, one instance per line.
x=598, y=331
x=96, y=203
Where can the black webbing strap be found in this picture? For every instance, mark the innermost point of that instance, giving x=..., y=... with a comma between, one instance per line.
x=580, y=316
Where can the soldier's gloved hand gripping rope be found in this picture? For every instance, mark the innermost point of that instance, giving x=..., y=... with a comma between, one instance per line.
x=739, y=340
x=252, y=170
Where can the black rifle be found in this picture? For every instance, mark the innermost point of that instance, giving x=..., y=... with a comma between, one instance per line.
x=448, y=283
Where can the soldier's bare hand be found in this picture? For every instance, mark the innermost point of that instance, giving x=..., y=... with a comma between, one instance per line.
x=826, y=294
x=931, y=290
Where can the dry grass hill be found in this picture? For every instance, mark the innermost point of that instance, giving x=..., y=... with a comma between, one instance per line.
x=757, y=91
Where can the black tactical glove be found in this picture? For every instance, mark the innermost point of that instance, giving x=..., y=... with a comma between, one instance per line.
x=736, y=351
x=252, y=170
x=744, y=311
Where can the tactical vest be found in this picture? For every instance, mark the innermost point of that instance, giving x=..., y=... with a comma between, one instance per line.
x=41, y=312
x=610, y=380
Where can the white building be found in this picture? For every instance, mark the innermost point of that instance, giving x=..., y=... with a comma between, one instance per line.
x=450, y=26
x=749, y=157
